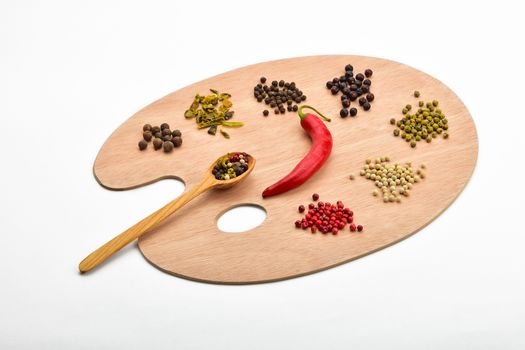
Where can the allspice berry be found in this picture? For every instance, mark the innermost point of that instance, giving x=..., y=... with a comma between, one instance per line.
x=142, y=145
x=168, y=146
x=147, y=135
x=162, y=136
x=177, y=141
x=157, y=143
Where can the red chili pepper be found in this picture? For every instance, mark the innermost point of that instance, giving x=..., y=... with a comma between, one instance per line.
x=313, y=161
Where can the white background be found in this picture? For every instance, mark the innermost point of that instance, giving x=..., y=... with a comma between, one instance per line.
x=72, y=71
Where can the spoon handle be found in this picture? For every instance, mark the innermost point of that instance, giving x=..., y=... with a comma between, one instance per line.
x=141, y=227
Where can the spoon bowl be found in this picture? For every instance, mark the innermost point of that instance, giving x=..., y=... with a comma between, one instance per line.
x=224, y=184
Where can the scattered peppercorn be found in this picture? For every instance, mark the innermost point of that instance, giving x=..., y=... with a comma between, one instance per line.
x=427, y=123
x=352, y=88
x=315, y=196
x=147, y=136
x=143, y=145
x=326, y=217
x=278, y=94
x=265, y=112
x=393, y=180
x=343, y=113
x=177, y=141
x=157, y=143
x=417, y=94
x=161, y=135
x=393, y=121
x=231, y=166
x=168, y=146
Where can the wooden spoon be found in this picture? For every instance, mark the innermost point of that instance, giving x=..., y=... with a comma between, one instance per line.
x=208, y=182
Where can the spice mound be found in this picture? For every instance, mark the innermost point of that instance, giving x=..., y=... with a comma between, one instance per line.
x=392, y=180
x=353, y=88
x=280, y=95
x=327, y=217
x=162, y=137
x=212, y=111
x=426, y=124
x=231, y=165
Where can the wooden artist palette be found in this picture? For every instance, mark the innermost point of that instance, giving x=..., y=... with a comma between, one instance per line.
x=189, y=244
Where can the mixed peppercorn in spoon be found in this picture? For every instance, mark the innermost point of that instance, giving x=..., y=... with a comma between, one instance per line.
x=231, y=165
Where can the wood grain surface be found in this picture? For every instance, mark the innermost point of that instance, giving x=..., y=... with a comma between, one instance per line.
x=189, y=244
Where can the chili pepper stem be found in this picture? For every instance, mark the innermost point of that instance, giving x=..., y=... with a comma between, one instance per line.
x=302, y=115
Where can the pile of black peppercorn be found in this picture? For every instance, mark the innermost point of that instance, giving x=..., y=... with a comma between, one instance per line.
x=162, y=137
x=352, y=88
x=279, y=95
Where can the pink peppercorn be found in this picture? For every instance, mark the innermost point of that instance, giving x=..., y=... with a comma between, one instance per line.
x=326, y=217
